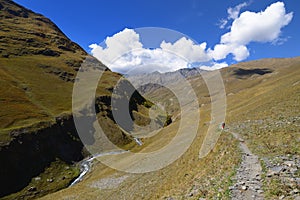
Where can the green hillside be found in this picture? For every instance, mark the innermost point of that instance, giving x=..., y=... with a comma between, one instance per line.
x=38, y=66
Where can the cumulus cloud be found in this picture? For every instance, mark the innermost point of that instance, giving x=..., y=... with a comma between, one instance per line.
x=117, y=45
x=148, y=60
x=249, y=27
x=124, y=53
x=186, y=48
x=240, y=52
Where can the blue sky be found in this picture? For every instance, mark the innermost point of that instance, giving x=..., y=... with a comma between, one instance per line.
x=92, y=21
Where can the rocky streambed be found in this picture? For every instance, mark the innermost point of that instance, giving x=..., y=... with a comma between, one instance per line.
x=86, y=164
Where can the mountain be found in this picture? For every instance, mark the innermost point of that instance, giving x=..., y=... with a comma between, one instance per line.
x=39, y=143
x=262, y=108
x=160, y=78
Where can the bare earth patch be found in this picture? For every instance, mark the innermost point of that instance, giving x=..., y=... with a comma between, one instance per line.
x=109, y=183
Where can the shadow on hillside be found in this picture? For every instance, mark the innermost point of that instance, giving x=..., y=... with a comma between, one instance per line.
x=243, y=73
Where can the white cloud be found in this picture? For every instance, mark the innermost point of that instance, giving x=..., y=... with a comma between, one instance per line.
x=187, y=49
x=259, y=27
x=240, y=52
x=233, y=13
x=214, y=66
x=146, y=60
x=280, y=41
x=117, y=45
x=222, y=23
x=125, y=54
x=249, y=27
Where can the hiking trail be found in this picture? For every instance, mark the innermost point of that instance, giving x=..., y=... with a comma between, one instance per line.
x=248, y=182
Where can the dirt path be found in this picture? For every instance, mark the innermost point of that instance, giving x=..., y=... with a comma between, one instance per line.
x=248, y=177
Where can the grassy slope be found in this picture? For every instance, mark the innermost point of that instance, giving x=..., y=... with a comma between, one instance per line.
x=176, y=180
x=267, y=115
x=33, y=83
x=36, y=86
x=251, y=96
x=33, y=87
x=38, y=65
x=272, y=98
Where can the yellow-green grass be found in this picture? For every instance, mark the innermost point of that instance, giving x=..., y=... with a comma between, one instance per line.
x=211, y=174
x=30, y=90
x=264, y=110
x=30, y=93
x=33, y=91
x=38, y=65
x=273, y=96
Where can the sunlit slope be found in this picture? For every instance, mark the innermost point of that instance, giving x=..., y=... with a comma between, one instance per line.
x=38, y=65
x=38, y=69
x=268, y=92
x=38, y=137
x=266, y=89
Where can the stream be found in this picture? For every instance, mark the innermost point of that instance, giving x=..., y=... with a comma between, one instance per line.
x=85, y=165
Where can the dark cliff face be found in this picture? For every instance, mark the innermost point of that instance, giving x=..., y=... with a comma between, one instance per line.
x=31, y=152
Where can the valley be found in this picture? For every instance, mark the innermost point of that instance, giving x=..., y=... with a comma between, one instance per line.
x=223, y=172
x=171, y=145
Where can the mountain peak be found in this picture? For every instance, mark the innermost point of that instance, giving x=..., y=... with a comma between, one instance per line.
x=23, y=32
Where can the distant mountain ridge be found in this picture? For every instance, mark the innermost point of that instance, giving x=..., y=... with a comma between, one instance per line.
x=143, y=81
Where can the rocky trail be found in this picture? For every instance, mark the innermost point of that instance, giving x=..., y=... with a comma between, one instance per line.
x=248, y=177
